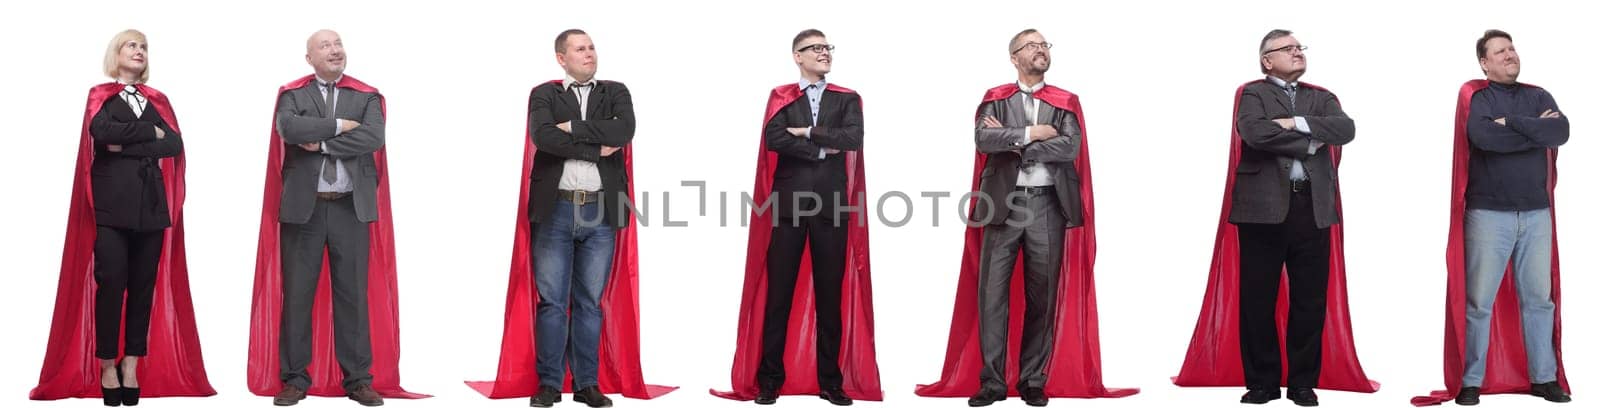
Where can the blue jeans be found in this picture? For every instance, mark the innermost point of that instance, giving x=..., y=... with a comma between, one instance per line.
x=1523, y=238
x=571, y=265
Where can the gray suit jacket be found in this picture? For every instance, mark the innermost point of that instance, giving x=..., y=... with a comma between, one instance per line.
x=1261, y=181
x=301, y=119
x=1006, y=157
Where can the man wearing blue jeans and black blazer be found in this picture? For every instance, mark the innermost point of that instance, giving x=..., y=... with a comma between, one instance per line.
x=576, y=204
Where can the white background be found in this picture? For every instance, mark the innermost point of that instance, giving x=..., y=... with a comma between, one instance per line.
x=1156, y=78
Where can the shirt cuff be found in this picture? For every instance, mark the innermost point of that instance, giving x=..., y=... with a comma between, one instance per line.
x=322, y=147
x=821, y=154
x=808, y=132
x=1027, y=134
x=1312, y=148
x=1301, y=126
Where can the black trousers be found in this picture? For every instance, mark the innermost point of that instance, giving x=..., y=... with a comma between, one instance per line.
x=125, y=261
x=333, y=226
x=1041, y=242
x=828, y=238
x=1266, y=251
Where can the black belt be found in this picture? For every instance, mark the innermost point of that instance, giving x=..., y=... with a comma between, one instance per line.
x=578, y=196
x=1296, y=186
x=331, y=196
x=1037, y=190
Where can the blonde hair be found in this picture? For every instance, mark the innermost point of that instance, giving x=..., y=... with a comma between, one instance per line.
x=112, y=67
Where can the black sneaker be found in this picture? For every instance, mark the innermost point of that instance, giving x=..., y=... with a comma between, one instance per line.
x=546, y=397
x=1467, y=396
x=591, y=395
x=1550, y=391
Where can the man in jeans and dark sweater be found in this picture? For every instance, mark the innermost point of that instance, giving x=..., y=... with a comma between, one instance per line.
x=1511, y=129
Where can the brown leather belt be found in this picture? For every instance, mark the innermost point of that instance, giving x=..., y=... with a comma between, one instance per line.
x=331, y=196
x=579, y=197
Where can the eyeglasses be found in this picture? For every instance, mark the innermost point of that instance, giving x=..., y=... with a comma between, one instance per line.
x=1032, y=46
x=816, y=48
x=1291, y=49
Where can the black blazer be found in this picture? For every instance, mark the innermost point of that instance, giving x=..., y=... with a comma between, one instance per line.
x=799, y=169
x=127, y=187
x=1261, y=182
x=610, y=123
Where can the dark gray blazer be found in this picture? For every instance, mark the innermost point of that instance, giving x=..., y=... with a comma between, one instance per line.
x=1006, y=157
x=1261, y=182
x=300, y=119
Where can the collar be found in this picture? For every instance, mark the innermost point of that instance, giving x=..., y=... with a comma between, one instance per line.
x=335, y=81
x=569, y=81
x=1024, y=88
x=821, y=84
x=1282, y=83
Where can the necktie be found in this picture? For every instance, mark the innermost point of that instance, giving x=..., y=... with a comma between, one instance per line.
x=1298, y=172
x=135, y=100
x=581, y=91
x=330, y=171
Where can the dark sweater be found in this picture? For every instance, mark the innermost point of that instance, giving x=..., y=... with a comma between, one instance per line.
x=1508, y=170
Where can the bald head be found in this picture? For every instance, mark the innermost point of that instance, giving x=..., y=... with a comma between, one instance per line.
x=325, y=54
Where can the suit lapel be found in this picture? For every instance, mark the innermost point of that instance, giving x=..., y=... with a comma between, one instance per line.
x=311, y=91
x=1281, y=97
x=596, y=95
x=570, y=98
x=829, y=101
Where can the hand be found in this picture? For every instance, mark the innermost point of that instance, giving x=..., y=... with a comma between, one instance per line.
x=346, y=125
x=114, y=148
x=160, y=134
x=1550, y=114
x=606, y=151
x=1286, y=123
x=830, y=150
x=798, y=132
x=991, y=122
x=313, y=146
x=1501, y=121
x=565, y=126
x=1041, y=132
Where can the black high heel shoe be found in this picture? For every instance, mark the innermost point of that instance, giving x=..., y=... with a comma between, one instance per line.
x=112, y=397
x=130, y=395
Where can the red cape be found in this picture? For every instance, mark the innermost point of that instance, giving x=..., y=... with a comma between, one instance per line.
x=174, y=366
x=1074, y=366
x=619, y=340
x=1213, y=359
x=1506, y=364
x=858, y=360
x=382, y=297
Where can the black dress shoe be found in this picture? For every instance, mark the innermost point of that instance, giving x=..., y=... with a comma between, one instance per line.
x=1467, y=396
x=592, y=396
x=1034, y=397
x=835, y=396
x=1550, y=391
x=767, y=396
x=546, y=397
x=1304, y=397
x=985, y=397
x=1260, y=396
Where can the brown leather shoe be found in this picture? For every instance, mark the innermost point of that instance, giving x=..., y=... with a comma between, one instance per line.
x=364, y=395
x=289, y=395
